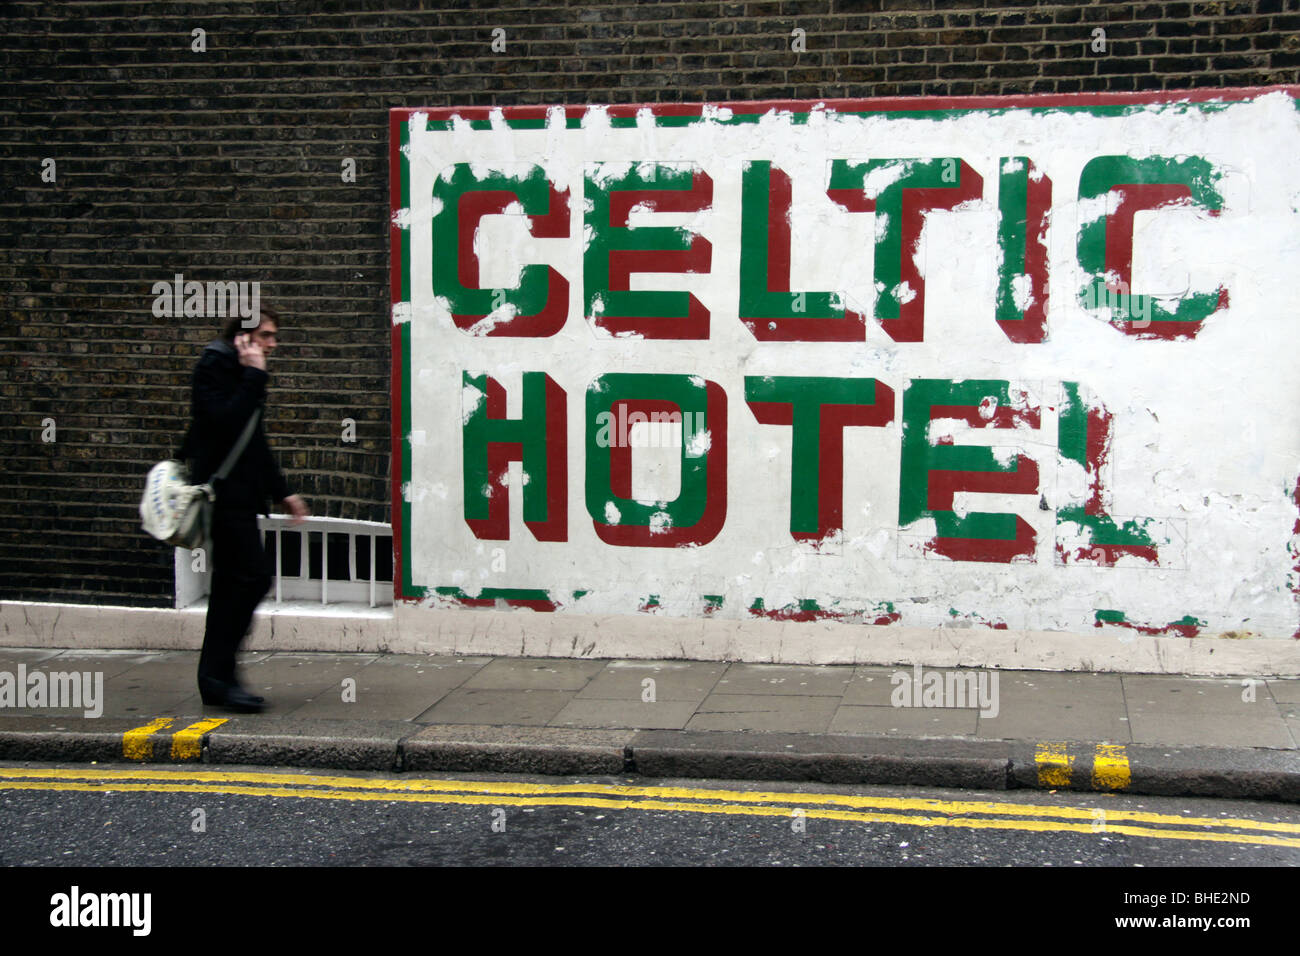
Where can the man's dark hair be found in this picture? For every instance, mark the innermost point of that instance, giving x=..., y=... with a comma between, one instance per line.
x=235, y=324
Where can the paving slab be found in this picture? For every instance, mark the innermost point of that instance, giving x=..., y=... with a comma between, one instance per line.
x=663, y=714
x=288, y=681
x=1040, y=686
x=11, y=657
x=1150, y=694
x=163, y=686
x=526, y=708
x=34, y=686
x=1039, y=705
x=1290, y=713
x=958, y=687
x=397, y=687
x=1212, y=730
x=1284, y=691
x=68, y=712
x=535, y=673
x=556, y=751
x=146, y=703
x=673, y=680
x=244, y=658
x=373, y=701
x=768, y=713
x=911, y=721
x=872, y=686
x=428, y=665
x=1059, y=721
x=1077, y=697
x=1208, y=712
x=801, y=680
x=109, y=663
x=826, y=758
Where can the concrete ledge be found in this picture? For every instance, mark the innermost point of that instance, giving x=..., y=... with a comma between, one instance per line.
x=290, y=742
x=553, y=751
x=415, y=629
x=295, y=626
x=653, y=637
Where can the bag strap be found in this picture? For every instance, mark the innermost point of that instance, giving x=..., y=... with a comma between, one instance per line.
x=220, y=474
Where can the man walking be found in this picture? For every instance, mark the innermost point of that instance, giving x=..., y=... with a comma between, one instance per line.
x=230, y=387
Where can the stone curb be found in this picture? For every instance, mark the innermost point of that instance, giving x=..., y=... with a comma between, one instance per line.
x=1229, y=773
x=298, y=742
x=549, y=751
x=50, y=740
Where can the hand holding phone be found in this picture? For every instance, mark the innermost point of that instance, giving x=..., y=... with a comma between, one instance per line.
x=250, y=352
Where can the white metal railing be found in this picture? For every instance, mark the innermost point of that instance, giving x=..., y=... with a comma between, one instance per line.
x=192, y=584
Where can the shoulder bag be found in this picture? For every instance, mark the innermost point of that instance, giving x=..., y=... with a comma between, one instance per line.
x=173, y=510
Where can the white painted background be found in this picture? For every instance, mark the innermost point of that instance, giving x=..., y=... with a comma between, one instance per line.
x=1207, y=432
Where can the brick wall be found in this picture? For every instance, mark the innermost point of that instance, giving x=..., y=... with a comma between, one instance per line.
x=225, y=165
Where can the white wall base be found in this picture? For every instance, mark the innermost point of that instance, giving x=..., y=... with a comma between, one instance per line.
x=410, y=629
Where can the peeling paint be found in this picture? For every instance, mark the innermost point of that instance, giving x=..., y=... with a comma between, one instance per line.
x=1188, y=500
x=471, y=397
x=1187, y=626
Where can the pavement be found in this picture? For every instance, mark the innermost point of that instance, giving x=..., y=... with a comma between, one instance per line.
x=854, y=724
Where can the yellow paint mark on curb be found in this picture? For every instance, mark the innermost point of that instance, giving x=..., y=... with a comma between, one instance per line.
x=186, y=745
x=1054, y=765
x=136, y=744
x=1110, y=767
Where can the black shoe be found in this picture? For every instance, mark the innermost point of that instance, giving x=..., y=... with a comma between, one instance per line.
x=240, y=700
x=216, y=689
x=260, y=700
x=230, y=696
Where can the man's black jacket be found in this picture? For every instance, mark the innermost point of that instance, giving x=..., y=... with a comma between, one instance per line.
x=225, y=395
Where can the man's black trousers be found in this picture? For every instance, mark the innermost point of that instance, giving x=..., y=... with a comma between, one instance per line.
x=241, y=576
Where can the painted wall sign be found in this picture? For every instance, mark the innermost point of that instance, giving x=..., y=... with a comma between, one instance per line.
x=1025, y=363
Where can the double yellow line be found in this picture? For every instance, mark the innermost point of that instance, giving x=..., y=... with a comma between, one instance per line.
x=919, y=812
